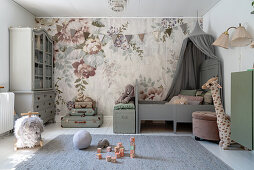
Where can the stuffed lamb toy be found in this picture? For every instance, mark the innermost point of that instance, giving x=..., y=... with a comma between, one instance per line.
x=28, y=131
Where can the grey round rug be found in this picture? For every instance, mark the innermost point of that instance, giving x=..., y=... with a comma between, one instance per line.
x=152, y=152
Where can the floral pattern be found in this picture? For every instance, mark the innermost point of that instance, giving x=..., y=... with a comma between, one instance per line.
x=99, y=57
x=92, y=46
x=82, y=70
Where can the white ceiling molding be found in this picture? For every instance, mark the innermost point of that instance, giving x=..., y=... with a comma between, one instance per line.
x=134, y=8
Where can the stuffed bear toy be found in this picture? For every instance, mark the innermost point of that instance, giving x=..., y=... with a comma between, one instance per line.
x=127, y=95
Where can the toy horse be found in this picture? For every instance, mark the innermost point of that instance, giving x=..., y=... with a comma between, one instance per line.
x=28, y=131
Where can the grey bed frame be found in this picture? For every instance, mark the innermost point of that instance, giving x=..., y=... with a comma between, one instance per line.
x=158, y=110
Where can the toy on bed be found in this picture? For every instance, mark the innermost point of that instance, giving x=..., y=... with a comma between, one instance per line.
x=178, y=100
x=127, y=95
x=28, y=131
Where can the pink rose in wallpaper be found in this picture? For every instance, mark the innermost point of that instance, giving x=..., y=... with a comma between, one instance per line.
x=92, y=46
x=82, y=70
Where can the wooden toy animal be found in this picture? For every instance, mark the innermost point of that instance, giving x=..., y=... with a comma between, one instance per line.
x=222, y=120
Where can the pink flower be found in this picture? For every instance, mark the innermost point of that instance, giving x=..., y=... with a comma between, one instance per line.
x=82, y=70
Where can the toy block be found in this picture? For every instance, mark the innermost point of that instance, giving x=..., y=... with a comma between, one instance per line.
x=98, y=156
x=121, y=152
x=118, y=155
x=119, y=145
x=109, y=149
x=132, y=147
x=98, y=150
x=113, y=159
x=132, y=151
x=132, y=139
x=117, y=149
x=108, y=158
x=132, y=155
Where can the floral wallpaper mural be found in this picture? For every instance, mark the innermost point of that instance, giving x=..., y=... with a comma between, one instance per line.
x=101, y=56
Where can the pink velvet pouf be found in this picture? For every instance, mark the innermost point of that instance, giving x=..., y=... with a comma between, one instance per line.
x=204, y=124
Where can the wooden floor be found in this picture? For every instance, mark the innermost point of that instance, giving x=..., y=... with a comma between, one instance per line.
x=236, y=157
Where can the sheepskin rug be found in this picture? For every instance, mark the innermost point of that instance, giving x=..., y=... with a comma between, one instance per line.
x=28, y=131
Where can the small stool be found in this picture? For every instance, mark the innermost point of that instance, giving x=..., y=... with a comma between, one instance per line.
x=204, y=125
x=124, y=121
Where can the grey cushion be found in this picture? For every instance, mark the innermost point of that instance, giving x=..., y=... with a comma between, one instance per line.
x=82, y=139
x=188, y=92
x=152, y=102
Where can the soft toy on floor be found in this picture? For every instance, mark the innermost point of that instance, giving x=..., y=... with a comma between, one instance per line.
x=28, y=131
x=103, y=143
x=223, y=121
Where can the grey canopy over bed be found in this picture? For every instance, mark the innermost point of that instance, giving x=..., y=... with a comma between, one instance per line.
x=197, y=63
x=195, y=50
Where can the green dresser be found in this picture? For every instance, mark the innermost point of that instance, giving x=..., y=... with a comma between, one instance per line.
x=242, y=108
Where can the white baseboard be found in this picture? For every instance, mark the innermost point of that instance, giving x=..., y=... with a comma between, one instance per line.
x=108, y=117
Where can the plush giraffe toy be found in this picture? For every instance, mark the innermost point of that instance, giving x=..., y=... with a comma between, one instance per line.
x=223, y=121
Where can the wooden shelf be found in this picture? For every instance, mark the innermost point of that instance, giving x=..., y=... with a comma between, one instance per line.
x=38, y=62
x=38, y=50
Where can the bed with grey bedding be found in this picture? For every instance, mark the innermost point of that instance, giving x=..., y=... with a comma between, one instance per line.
x=159, y=110
x=197, y=63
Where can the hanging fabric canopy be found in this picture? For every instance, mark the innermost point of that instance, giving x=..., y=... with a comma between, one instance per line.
x=196, y=49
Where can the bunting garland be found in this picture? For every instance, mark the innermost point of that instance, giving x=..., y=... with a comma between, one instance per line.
x=86, y=35
x=141, y=37
x=128, y=37
x=101, y=37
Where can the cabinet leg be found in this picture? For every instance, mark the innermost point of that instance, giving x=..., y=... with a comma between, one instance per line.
x=175, y=126
x=139, y=126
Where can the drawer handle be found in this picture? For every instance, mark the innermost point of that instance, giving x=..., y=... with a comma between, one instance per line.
x=50, y=96
x=37, y=107
x=49, y=103
x=51, y=112
x=39, y=98
x=39, y=115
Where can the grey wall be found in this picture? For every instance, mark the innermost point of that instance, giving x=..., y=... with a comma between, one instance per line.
x=11, y=14
x=225, y=14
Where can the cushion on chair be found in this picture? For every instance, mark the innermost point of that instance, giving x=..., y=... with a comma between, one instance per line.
x=204, y=115
x=124, y=106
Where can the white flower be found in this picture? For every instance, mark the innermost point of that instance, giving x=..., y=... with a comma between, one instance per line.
x=92, y=46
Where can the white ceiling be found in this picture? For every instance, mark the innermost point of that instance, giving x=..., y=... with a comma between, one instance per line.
x=100, y=8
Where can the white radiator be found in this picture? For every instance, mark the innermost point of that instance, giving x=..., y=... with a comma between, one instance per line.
x=6, y=112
